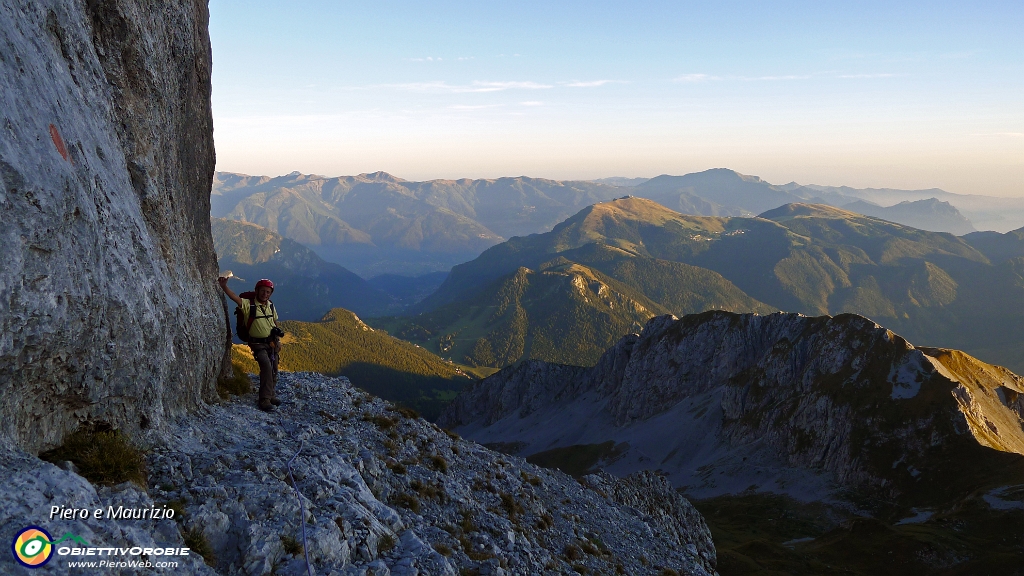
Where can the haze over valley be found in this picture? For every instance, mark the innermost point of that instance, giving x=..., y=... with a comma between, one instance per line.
x=378, y=223
x=951, y=286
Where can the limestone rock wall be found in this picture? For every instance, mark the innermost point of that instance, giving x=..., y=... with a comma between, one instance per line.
x=109, y=308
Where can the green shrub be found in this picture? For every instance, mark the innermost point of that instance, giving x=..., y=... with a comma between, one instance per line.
x=385, y=544
x=572, y=552
x=438, y=463
x=545, y=521
x=104, y=457
x=407, y=501
x=510, y=504
x=407, y=412
x=382, y=422
x=237, y=385
x=427, y=491
x=179, y=509
x=291, y=546
x=530, y=478
x=466, y=524
x=196, y=541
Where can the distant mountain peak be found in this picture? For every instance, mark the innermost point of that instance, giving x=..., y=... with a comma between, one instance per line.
x=715, y=173
x=729, y=172
x=625, y=208
x=927, y=214
x=380, y=176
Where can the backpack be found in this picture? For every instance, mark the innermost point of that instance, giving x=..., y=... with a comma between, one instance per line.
x=242, y=324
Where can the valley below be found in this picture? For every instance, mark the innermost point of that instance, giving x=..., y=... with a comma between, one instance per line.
x=810, y=444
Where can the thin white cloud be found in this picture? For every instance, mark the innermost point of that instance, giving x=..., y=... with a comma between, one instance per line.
x=867, y=75
x=465, y=58
x=426, y=59
x=777, y=78
x=695, y=78
x=531, y=103
x=474, y=107
x=476, y=86
x=495, y=86
x=590, y=83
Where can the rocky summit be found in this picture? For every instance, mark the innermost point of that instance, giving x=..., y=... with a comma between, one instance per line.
x=383, y=492
x=723, y=402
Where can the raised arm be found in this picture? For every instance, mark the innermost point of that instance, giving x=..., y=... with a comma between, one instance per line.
x=231, y=294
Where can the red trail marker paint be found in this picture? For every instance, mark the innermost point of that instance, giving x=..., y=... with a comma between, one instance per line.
x=59, y=142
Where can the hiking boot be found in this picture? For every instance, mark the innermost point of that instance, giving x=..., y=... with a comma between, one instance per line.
x=266, y=406
x=275, y=401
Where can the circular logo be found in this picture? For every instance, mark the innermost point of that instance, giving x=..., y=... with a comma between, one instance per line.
x=32, y=547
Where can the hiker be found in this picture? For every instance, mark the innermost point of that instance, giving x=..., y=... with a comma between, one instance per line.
x=263, y=336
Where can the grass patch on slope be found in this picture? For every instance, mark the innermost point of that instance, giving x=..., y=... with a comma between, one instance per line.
x=102, y=456
x=341, y=345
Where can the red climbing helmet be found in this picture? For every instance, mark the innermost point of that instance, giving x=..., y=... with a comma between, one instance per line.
x=267, y=283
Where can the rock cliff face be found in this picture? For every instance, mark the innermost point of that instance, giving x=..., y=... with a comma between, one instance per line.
x=109, y=308
x=724, y=401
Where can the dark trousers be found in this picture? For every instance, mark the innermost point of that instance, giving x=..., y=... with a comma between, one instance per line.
x=266, y=356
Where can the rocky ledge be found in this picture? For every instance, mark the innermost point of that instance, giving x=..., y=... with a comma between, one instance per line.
x=383, y=492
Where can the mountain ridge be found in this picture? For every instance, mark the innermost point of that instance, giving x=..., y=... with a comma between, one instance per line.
x=831, y=439
x=378, y=223
x=935, y=287
x=568, y=294
x=356, y=220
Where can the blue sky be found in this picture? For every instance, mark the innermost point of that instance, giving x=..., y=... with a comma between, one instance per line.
x=861, y=94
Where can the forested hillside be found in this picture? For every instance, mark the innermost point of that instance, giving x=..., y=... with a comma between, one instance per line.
x=936, y=288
